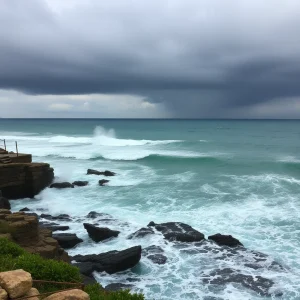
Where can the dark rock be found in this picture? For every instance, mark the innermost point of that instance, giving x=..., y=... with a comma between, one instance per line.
x=94, y=215
x=154, y=253
x=88, y=280
x=87, y=268
x=225, y=276
x=61, y=217
x=113, y=261
x=225, y=240
x=176, y=231
x=102, y=182
x=4, y=203
x=141, y=233
x=61, y=185
x=67, y=240
x=151, y=224
x=152, y=249
x=118, y=287
x=157, y=259
x=99, y=234
x=105, y=173
x=80, y=183
x=25, y=209
x=33, y=214
x=55, y=227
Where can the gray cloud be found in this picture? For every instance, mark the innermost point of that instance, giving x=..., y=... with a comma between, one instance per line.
x=193, y=58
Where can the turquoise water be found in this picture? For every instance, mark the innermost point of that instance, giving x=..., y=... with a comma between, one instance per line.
x=234, y=177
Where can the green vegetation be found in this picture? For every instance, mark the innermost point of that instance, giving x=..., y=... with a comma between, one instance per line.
x=13, y=257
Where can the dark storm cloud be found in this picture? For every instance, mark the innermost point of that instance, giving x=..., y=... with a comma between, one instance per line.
x=200, y=58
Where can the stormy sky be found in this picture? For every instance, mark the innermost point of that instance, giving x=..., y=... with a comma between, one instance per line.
x=150, y=58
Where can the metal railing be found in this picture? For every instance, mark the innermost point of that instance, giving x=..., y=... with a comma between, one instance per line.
x=16, y=144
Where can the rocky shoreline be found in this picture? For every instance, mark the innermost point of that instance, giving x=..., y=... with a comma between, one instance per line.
x=182, y=237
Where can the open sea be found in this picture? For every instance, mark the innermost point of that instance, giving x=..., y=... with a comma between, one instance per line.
x=232, y=177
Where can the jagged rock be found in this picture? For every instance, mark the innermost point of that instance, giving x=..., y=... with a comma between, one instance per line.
x=225, y=240
x=118, y=287
x=61, y=217
x=154, y=253
x=87, y=268
x=61, y=185
x=17, y=283
x=225, y=276
x=4, y=203
x=102, y=182
x=141, y=233
x=176, y=231
x=25, y=209
x=33, y=292
x=95, y=172
x=112, y=261
x=67, y=240
x=3, y=294
x=75, y=294
x=80, y=183
x=98, y=234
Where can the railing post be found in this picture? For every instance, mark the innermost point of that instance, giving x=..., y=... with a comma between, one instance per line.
x=4, y=145
x=17, y=148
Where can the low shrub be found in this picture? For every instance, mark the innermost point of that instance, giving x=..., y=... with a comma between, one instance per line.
x=13, y=257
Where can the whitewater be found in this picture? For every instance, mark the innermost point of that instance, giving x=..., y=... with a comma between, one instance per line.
x=231, y=177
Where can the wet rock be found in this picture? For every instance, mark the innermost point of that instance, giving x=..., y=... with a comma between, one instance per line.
x=94, y=215
x=88, y=280
x=151, y=224
x=158, y=259
x=154, y=253
x=61, y=185
x=95, y=172
x=176, y=231
x=118, y=287
x=61, y=217
x=225, y=240
x=4, y=203
x=25, y=209
x=54, y=226
x=102, y=182
x=99, y=234
x=225, y=276
x=67, y=240
x=112, y=261
x=141, y=233
x=87, y=268
x=80, y=183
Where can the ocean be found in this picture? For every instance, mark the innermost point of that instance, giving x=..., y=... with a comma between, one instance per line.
x=237, y=177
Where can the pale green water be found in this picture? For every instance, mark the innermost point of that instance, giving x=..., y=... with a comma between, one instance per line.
x=233, y=177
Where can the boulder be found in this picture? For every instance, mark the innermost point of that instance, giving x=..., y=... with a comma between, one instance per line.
x=61, y=185
x=112, y=261
x=99, y=234
x=54, y=226
x=225, y=240
x=105, y=173
x=158, y=259
x=118, y=287
x=67, y=240
x=141, y=233
x=80, y=183
x=176, y=231
x=17, y=283
x=25, y=209
x=3, y=294
x=94, y=215
x=226, y=276
x=102, y=182
x=33, y=292
x=75, y=294
x=4, y=203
